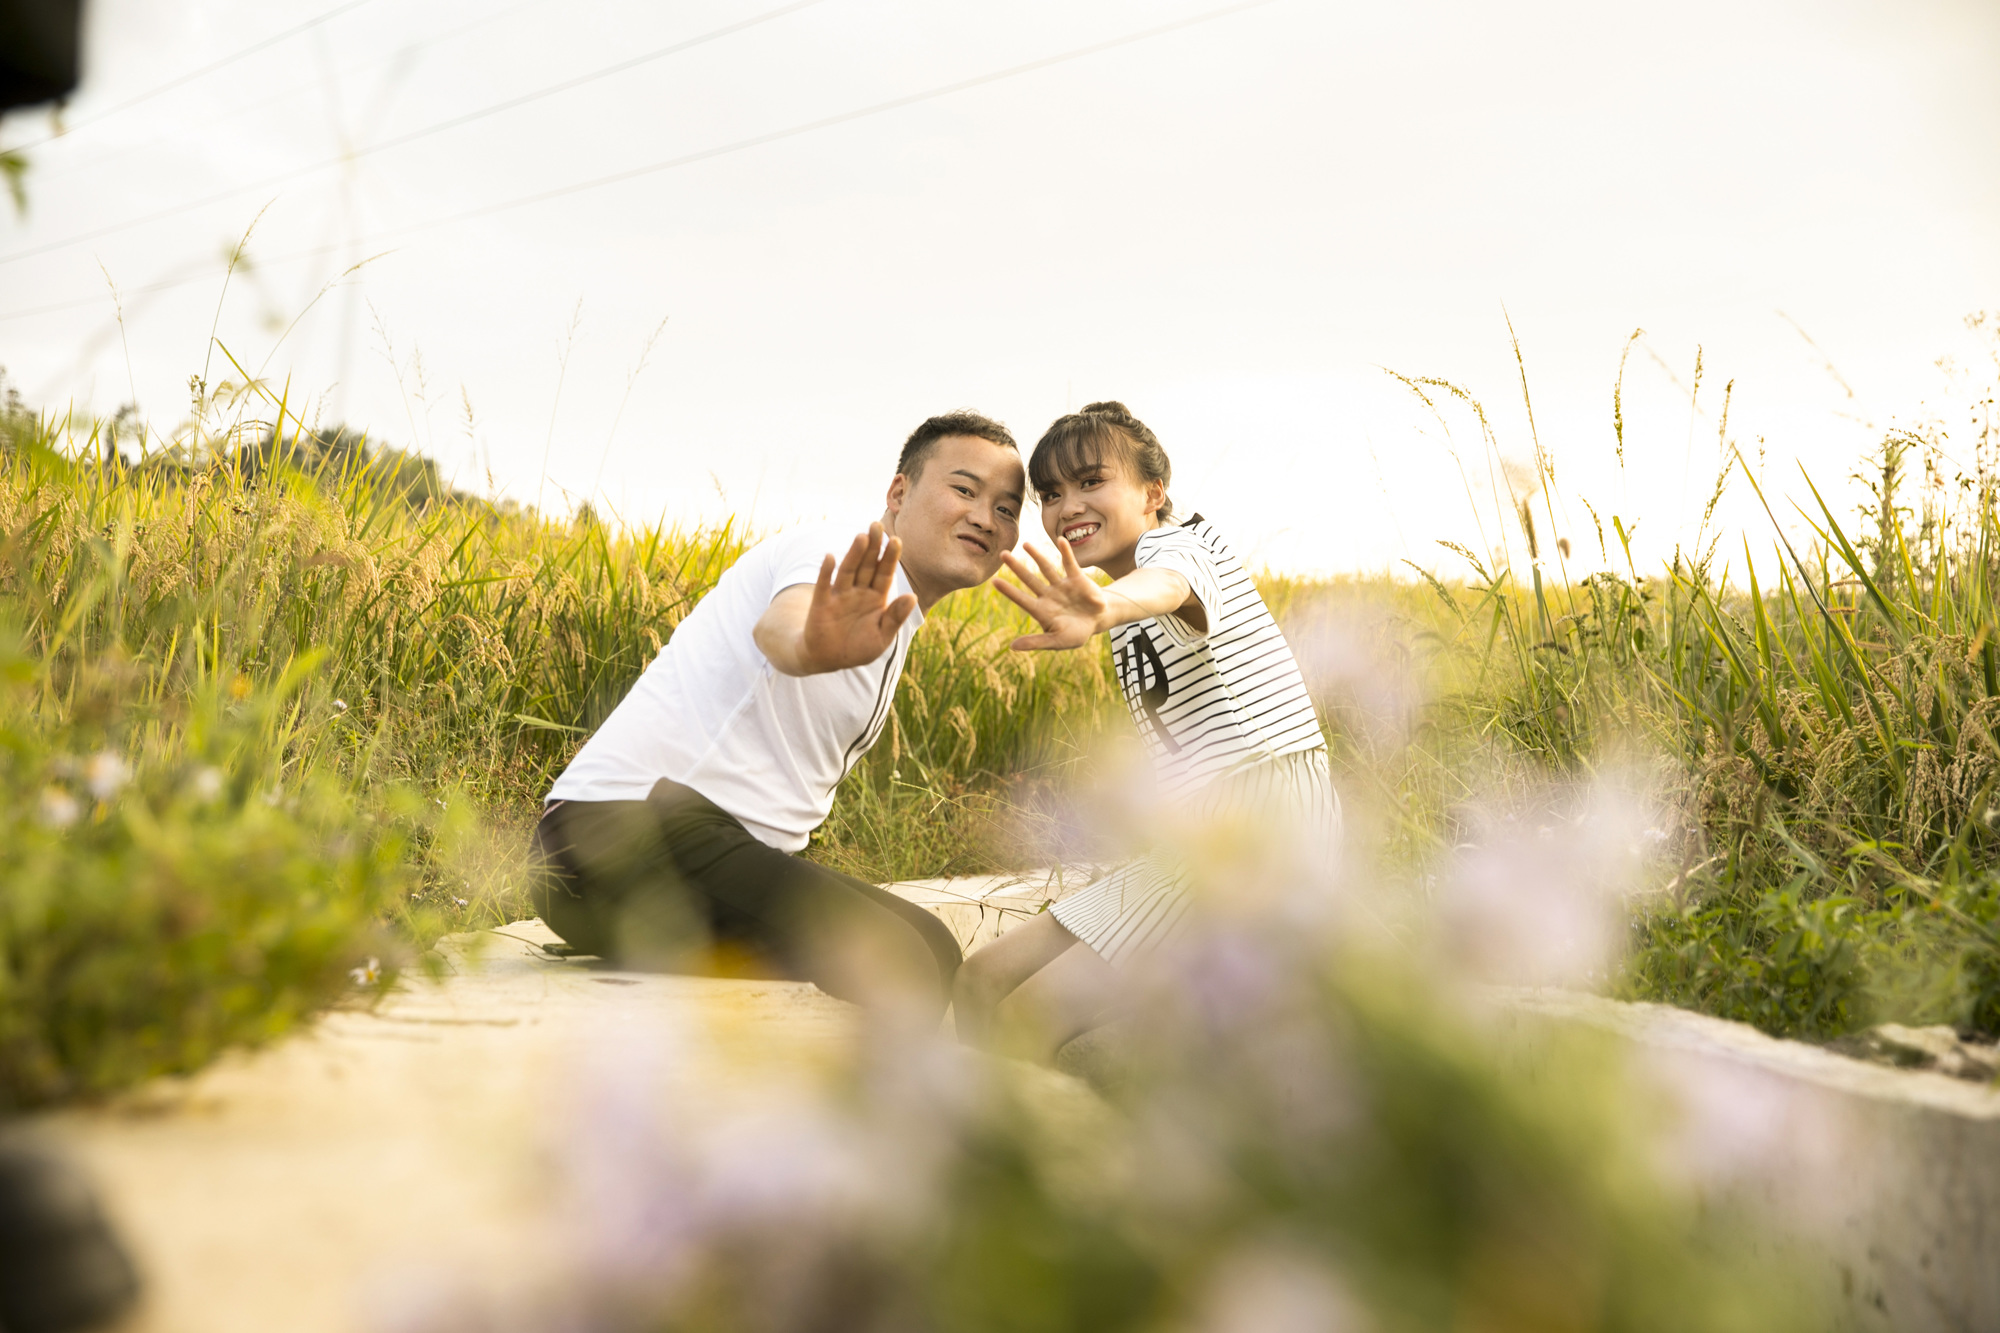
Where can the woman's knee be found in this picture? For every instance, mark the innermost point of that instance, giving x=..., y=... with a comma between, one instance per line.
x=983, y=980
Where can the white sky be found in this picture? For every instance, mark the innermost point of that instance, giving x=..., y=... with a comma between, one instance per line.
x=1230, y=226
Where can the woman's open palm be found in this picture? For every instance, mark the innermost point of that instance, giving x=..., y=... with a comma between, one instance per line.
x=1067, y=603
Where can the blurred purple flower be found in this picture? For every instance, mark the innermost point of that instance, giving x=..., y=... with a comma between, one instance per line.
x=1543, y=905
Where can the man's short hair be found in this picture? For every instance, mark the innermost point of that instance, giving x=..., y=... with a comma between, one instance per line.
x=923, y=441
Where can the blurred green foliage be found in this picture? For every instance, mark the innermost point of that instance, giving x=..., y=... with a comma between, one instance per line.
x=167, y=889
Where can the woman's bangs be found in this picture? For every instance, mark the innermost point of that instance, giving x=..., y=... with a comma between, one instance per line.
x=1068, y=451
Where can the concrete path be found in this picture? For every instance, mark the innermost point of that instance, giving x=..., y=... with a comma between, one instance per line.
x=980, y=908
x=313, y=1186
x=303, y=1187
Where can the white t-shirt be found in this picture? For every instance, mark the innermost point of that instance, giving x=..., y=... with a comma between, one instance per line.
x=713, y=714
x=1210, y=703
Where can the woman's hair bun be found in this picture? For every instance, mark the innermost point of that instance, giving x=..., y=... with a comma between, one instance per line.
x=1110, y=407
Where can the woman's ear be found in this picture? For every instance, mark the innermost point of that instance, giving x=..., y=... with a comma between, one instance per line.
x=1156, y=495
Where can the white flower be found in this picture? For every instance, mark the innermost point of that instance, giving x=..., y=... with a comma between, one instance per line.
x=206, y=783
x=340, y=705
x=1271, y=1291
x=368, y=974
x=59, y=808
x=106, y=772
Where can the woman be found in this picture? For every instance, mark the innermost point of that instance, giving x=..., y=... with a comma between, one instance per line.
x=1213, y=689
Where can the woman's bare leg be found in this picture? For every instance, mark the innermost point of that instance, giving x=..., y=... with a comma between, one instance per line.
x=1076, y=992
x=991, y=974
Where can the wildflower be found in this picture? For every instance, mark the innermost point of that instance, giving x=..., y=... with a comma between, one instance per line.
x=1269, y=1291
x=460, y=901
x=1542, y=909
x=59, y=808
x=106, y=772
x=367, y=974
x=206, y=784
x=340, y=705
x=239, y=688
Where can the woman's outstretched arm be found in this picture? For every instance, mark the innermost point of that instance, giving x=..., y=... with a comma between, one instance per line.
x=1071, y=608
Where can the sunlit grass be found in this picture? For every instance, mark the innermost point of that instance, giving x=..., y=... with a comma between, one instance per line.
x=1813, y=727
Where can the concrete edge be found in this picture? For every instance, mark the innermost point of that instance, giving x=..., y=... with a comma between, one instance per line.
x=1661, y=1025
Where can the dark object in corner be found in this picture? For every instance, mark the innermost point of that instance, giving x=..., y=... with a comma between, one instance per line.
x=39, y=44
x=61, y=1269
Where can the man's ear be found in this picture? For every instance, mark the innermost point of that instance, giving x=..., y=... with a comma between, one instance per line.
x=899, y=490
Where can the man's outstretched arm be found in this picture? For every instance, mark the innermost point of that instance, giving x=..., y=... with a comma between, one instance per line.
x=844, y=620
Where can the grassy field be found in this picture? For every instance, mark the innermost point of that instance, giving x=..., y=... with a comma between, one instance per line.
x=276, y=706
x=278, y=709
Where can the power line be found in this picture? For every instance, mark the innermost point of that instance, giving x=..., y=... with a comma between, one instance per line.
x=400, y=140
x=167, y=87
x=827, y=122
x=46, y=178
x=740, y=145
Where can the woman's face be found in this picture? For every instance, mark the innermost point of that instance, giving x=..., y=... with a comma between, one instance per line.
x=1102, y=512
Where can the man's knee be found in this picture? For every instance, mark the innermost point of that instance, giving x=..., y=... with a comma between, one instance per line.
x=942, y=943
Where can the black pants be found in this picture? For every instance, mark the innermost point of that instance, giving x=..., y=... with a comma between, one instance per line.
x=654, y=882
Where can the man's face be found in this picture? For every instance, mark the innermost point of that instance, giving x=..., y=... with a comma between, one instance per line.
x=960, y=514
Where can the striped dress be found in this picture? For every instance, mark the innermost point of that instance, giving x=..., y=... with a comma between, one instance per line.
x=1230, y=728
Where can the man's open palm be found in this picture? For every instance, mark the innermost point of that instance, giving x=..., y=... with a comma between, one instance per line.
x=852, y=621
x=1065, y=601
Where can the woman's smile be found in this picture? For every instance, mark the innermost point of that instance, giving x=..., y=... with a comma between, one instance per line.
x=1077, y=533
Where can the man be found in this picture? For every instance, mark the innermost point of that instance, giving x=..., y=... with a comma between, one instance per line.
x=676, y=826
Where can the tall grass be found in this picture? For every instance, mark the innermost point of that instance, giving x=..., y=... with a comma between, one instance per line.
x=1816, y=725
